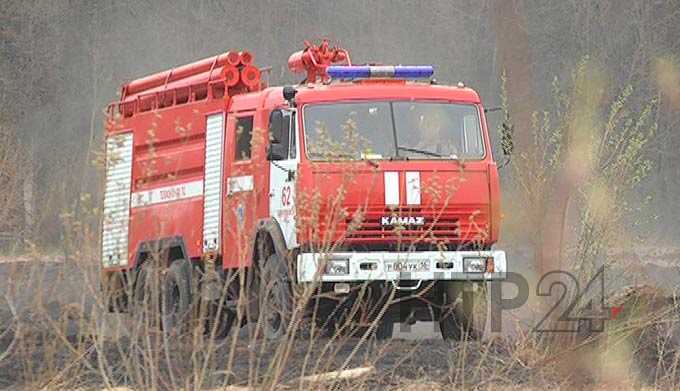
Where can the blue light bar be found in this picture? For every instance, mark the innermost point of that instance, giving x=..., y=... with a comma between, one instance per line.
x=380, y=71
x=349, y=72
x=413, y=71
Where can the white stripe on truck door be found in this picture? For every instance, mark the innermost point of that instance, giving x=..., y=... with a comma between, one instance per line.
x=412, y=188
x=391, y=188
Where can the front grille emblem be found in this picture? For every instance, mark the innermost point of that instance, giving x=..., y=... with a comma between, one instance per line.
x=402, y=221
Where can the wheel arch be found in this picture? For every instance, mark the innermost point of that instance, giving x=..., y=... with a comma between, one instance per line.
x=269, y=229
x=174, y=247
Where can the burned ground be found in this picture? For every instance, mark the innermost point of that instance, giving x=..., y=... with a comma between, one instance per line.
x=59, y=344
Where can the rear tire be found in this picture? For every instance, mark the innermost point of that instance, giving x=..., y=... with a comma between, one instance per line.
x=221, y=323
x=176, y=295
x=141, y=300
x=115, y=292
x=465, y=309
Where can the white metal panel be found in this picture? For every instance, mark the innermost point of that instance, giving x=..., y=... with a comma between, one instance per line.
x=413, y=188
x=237, y=184
x=391, y=188
x=212, y=181
x=117, y=200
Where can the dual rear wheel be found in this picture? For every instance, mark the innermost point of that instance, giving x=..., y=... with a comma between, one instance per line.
x=166, y=291
x=166, y=295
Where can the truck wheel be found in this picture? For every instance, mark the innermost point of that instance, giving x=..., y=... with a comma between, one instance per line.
x=176, y=295
x=384, y=329
x=115, y=292
x=343, y=319
x=143, y=288
x=334, y=318
x=276, y=298
x=221, y=323
x=464, y=313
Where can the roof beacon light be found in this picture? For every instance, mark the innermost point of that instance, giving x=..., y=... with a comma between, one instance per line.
x=349, y=72
x=379, y=71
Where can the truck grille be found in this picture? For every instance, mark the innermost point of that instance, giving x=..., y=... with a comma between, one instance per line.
x=445, y=225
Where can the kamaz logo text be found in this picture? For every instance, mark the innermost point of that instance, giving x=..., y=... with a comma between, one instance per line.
x=403, y=221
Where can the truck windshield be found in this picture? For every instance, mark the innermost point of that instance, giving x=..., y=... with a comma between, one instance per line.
x=392, y=129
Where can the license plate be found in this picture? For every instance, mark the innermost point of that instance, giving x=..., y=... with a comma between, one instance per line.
x=407, y=266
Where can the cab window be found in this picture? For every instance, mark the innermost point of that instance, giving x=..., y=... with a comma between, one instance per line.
x=244, y=134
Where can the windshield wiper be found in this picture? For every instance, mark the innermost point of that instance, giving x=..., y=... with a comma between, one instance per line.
x=421, y=151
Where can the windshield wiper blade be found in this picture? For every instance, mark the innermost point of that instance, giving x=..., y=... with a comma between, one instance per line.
x=422, y=151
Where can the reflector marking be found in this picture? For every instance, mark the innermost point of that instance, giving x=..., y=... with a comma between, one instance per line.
x=167, y=194
x=237, y=184
x=391, y=188
x=413, y=188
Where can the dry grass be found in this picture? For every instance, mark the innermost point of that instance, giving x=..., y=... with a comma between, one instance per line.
x=63, y=346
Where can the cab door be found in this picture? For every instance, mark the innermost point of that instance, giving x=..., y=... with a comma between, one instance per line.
x=241, y=182
x=284, y=157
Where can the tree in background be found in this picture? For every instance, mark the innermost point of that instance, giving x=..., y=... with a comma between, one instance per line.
x=15, y=219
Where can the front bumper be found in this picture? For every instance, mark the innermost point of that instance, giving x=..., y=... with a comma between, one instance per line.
x=431, y=265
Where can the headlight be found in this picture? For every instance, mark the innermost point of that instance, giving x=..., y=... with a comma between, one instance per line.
x=477, y=264
x=337, y=267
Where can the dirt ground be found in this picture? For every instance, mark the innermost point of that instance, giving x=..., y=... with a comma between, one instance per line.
x=415, y=356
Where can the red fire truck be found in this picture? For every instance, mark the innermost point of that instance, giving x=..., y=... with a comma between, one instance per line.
x=359, y=177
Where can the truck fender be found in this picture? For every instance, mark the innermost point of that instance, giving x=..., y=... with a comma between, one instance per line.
x=158, y=246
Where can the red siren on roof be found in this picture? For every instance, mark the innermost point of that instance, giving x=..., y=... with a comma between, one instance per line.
x=315, y=59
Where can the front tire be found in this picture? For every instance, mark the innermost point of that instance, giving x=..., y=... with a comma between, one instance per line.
x=465, y=310
x=276, y=298
x=384, y=329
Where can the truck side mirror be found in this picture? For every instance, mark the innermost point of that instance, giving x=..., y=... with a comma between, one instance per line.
x=275, y=152
x=278, y=136
x=289, y=95
x=275, y=127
